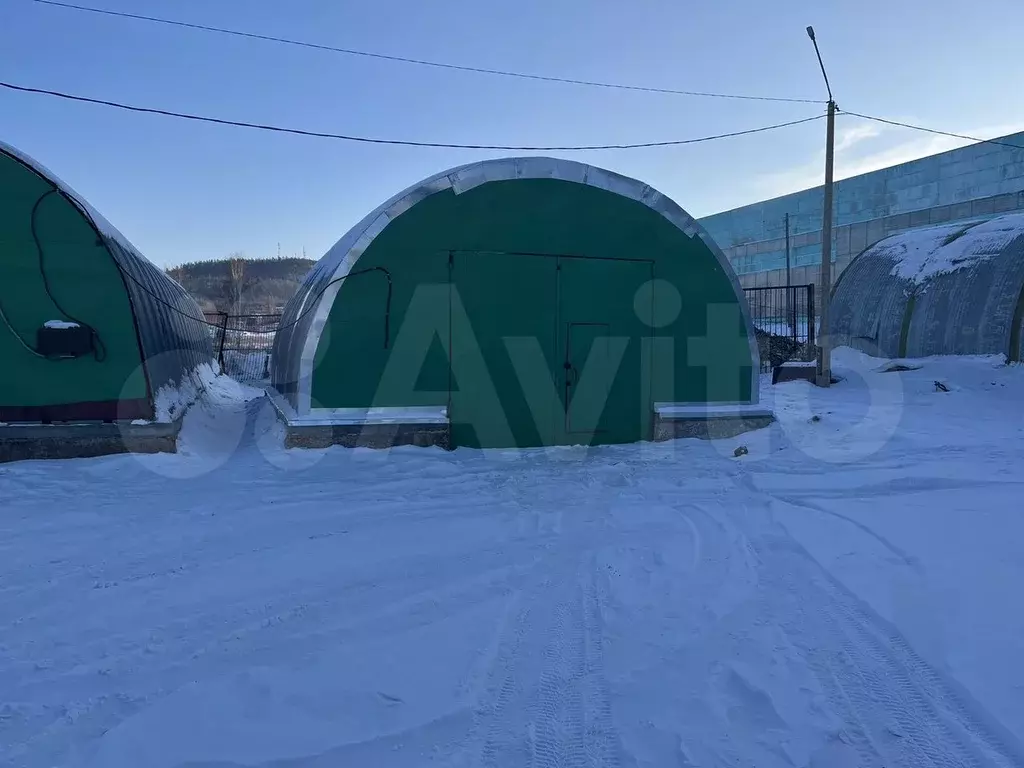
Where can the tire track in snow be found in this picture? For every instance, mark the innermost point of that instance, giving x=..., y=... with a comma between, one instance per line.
x=925, y=699
x=491, y=738
x=883, y=690
x=897, y=708
x=572, y=723
x=305, y=621
x=848, y=702
x=545, y=701
x=492, y=717
x=223, y=631
x=904, y=486
x=808, y=504
x=514, y=663
x=727, y=571
x=602, y=741
x=557, y=720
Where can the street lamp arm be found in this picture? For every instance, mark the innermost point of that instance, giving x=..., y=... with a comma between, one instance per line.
x=824, y=74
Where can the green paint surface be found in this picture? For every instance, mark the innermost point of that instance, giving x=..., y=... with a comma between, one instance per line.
x=604, y=316
x=503, y=350
x=493, y=291
x=84, y=280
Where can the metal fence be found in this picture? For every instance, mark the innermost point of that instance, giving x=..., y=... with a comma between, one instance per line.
x=243, y=343
x=784, y=322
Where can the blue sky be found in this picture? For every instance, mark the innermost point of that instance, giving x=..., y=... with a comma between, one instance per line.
x=182, y=191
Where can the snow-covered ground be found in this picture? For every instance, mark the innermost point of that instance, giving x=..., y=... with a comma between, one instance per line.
x=844, y=595
x=247, y=366
x=781, y=327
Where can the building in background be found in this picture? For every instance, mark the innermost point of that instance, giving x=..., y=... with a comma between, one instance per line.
x=975, y=182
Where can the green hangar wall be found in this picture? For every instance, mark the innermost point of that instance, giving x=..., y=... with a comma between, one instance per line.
x=89, y=329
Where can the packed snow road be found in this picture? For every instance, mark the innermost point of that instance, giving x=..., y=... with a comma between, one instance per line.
x=664, y=605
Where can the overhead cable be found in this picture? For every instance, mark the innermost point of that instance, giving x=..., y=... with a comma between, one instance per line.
x=421, y=62
x=399, y=142
x=933, y=130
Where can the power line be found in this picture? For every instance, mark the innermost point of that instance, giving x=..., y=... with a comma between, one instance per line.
x=400, y=142
x=421, y=62
x=933, y=130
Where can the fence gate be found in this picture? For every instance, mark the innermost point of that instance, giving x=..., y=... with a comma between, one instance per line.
x=243, y=344
x=784, y=322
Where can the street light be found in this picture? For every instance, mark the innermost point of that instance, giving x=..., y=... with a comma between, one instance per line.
x=810, y=34
x=824, y=373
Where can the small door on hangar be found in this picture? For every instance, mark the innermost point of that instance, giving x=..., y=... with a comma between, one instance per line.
x=603, y=318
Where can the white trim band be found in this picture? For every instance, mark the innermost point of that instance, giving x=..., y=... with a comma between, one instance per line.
x=688, y=411
x=325, y=417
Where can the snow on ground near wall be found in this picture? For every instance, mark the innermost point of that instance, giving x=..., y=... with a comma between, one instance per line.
x=844, y=595
x=778, y=327
x=173, y=400
x=247, y=366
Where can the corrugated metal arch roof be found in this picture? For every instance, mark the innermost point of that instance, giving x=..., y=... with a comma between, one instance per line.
x=306, y=314
x=950, y=289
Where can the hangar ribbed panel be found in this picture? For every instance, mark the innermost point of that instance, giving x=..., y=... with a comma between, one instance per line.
x=869, y=303
x=962, y=283
x=172, y=332
x=970, y=310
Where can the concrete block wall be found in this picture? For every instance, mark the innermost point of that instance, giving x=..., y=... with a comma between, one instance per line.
x=850, y=239
x=981, y=180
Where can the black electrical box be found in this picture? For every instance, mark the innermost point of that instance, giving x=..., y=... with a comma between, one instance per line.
x=62, y=341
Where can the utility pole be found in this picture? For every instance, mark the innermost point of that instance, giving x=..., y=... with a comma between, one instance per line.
x=824, y=377
x=790, y=313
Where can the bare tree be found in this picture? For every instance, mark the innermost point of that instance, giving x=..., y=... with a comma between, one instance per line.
x=236, y=282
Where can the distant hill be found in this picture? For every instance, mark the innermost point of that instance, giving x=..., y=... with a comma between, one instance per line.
x=242, y=286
